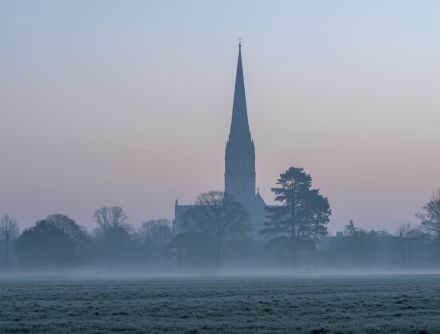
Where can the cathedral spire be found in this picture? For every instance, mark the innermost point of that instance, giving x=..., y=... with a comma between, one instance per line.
x=239, y=124
x=240, y=150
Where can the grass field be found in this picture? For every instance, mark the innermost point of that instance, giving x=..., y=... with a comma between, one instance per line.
x=373, y=304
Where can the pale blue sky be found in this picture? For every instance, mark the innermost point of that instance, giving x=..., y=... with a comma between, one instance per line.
x=129, y=103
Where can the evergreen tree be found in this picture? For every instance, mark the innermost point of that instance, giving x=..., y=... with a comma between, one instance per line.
x=351, y=229
x=302, y=216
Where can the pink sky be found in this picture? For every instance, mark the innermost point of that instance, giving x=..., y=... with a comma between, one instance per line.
x=132, y=107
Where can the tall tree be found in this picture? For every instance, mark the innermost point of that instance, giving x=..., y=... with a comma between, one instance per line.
x=113, y=237
x=8, y=233
x=55, y=240
x=153, y=237
x=351, y=229
x=218, y=215
x=67, y=225
x=430, y=217
x=157, y=231
x=109, y=219
x=302, y=216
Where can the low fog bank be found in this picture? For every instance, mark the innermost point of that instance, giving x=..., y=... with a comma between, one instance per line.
x=58, y=247
x=227, y=273
x=214, y=240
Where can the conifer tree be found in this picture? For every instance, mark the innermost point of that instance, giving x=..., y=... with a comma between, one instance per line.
x=302, y=215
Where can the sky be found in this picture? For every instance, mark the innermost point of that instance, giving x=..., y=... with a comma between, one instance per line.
x=129, y=103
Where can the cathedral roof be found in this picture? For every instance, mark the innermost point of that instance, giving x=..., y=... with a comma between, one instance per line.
x=260, y=199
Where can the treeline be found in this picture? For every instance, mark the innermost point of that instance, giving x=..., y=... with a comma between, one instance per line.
x=58, y=241
x=216, y=231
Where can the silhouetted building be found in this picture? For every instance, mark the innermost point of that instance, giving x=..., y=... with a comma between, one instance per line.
x=240, y=176
x=240, y=149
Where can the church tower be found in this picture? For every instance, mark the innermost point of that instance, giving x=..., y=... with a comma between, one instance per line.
x=240, y=150
x=239, y=163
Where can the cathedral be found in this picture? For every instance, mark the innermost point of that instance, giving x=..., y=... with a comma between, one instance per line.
x=240, y=176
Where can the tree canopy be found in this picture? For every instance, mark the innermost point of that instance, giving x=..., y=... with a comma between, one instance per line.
x=51, y=241
x=218, y=215
x=9, y=231
x=430, y=217
x=301, y=216
x=113, y=235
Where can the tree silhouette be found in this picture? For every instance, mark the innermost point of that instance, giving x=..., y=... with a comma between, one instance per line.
x=302, y=216
x=110, y=220
x=8, y=233
x=52, y=241
x=113, y=238
x=153, y=237
x=430, y=217
x=218, y=215
x=351, y=229
x=157, y=231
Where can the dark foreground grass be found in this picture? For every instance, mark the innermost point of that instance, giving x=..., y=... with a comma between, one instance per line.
x=388, y=304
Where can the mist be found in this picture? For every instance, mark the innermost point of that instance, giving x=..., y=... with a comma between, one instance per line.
x=57, y=246
x=216, y=167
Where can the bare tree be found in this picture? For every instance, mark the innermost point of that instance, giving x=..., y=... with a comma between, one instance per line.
x=68, y=226
x=404, y=230
x=113, y=234
x=158, y=231
x=8, y=233
x=218, y=215
x=109, y=219
x=430, y=216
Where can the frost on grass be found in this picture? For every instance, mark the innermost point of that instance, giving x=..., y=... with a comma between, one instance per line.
x=365, y=305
